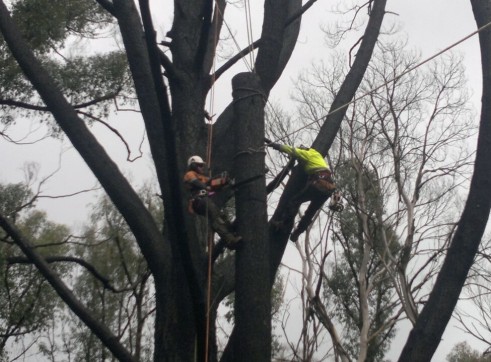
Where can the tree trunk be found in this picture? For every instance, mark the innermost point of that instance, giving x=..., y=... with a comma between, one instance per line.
x=253, y=286
x=431, y=323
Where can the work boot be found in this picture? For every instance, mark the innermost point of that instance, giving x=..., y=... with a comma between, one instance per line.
x=224, y=230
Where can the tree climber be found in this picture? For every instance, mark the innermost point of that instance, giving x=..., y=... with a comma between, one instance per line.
x=319, y=187
x=201, y=190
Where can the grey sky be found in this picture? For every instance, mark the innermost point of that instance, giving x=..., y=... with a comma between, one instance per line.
x=430, y=26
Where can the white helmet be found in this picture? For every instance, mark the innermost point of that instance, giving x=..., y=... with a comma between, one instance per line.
x=195, y=159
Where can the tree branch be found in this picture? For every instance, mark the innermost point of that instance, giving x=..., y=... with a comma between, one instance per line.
x=117, y=187
x=206, y=24
x=136, y=47
x=108, y=5
x=167, y=64
x=256, y=44
x=33, y=107
x=116, y=132
x=55, y=259
x=98, y=328
x=425, y=337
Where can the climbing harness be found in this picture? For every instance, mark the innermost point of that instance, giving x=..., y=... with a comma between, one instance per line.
x=323, y=181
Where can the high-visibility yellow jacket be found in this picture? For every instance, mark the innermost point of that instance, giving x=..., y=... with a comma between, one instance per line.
x=310, y=159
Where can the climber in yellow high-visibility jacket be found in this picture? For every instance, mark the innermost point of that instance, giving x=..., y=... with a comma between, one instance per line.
x=320, y=184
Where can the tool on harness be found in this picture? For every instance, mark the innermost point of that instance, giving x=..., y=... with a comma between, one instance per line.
x=323, y=182
x=335, y=204
x=194, y=202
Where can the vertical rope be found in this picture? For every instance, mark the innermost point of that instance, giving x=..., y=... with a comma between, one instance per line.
x=208, y=233
x=250, y=37
x=208, y=296
x=208, y=162
x=209, y=151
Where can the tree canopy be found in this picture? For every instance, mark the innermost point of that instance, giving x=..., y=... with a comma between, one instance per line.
x=167, y=79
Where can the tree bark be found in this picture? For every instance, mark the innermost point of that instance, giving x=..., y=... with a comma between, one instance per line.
x=426, y=335
x=253, y=286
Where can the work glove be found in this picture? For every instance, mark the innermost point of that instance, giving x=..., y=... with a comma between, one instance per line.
x=275, y=146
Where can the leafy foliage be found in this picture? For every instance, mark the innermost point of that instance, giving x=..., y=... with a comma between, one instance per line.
x=13, y=199
x=27, y=300
x=91, y=78
x=462, y=352
x=46, y=24
x=126, y=303
x=343, y=287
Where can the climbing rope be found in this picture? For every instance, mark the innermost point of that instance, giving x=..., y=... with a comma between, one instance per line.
x=248, y=66
x=208, y=162
x=250, y=38
x=388, y=82
x=210, y=143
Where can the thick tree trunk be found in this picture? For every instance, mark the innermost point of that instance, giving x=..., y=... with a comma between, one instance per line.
x=431, y=323
x=186, y=304
x=253, y=286
x=270, y=64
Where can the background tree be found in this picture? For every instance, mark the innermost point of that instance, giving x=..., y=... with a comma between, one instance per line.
x=462, y=352
x=100, y=265
x=425, y=336
x=28, y=302
x=474, y=314
x=123, y=299
x=396, y=167
x=359, y=283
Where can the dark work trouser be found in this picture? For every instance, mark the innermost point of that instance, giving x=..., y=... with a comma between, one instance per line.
x=316, y=197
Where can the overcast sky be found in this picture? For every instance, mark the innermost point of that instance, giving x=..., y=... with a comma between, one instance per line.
x=430, y=26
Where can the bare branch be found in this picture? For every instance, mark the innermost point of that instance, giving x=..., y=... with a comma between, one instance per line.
x=115, y=131
x=65, y=293
x=56, y=259
x=33, y=107
x=256, y=44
